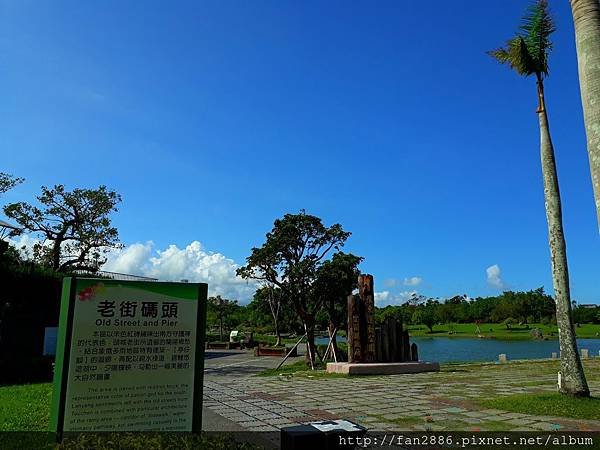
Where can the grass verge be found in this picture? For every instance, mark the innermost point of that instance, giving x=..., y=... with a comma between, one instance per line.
x=25, y=417
x=300, y=369
x=25, y=407
x=554, y=405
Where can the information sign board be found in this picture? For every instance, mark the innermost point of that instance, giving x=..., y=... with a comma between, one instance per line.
x=129, y=356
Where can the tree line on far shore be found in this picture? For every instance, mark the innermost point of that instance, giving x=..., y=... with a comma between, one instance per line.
x=509, y=308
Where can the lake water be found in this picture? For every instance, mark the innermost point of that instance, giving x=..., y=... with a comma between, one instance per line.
x=444, y=349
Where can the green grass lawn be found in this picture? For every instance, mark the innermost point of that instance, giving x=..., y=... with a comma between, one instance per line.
x=270, y=340
x=499, y=331
x=553, y=405
x=300, y=369
x=26, y=408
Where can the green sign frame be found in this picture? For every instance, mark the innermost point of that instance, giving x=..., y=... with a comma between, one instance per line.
x=71, y=286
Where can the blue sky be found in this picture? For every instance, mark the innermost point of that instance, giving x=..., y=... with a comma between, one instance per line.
x=212, y=119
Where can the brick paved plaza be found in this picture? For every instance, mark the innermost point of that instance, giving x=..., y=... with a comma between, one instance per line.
x=429, y=401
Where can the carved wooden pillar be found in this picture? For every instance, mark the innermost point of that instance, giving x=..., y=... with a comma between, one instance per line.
x=353, y=337
x=367, y=298
x=361, y=322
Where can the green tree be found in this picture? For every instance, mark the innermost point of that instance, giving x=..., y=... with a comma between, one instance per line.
x=417, y=317
x=335, y=281
x=429, y=314
x=586, y=17
x=586, y=314
x=219, y=310
x=75, y=226
x=7, y=182
x=527, y=54
x=294, y=251
x=508, y=322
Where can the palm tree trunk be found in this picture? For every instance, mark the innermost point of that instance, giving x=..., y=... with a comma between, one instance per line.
x=571, y=378
x=586, y=16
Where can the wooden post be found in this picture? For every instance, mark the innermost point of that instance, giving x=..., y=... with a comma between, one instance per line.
x=406, y=345
x=414, y=353
x=361, y=322
x=367, y=298
x=385, y=340
x=399, y=334
x=353, y=336
x=378, y=345
x=394, y=348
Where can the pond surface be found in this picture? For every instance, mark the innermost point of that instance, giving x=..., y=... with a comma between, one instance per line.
x=445, y=349
x=470, y=349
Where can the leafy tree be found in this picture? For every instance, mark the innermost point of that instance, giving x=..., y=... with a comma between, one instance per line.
x=586, y=17
x=7, y=182
x=428, y=314
x=294, y=251
x=527, y=54
x=417, y=317
x=75, y=225
x=219, y=310
x=335, y=281
x=416, y=299
x=258, y=314
x=396, y=311
x=582, y=314
x=508, y=322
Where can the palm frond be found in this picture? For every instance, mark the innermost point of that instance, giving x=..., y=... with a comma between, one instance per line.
x=536, y=28
x=527, y=52
x=516, y=55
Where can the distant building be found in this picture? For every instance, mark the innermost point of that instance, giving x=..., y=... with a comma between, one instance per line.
x=590, y=306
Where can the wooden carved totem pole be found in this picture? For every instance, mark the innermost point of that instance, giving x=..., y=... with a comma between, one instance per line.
x=361, y=322
x=387, y=343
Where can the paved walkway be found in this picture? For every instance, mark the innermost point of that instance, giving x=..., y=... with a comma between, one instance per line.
x=428, y=401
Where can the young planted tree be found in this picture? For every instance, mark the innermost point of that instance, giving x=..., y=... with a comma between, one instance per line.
x=75, y=226
x=220, y=309
x=335, y=281
x=290, y=258
x=527, y=54
x=586, y=16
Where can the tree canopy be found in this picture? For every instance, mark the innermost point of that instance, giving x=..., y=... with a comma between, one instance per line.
x=75, y=226
x=527, y=52
x=7, y=182
x=291, y=258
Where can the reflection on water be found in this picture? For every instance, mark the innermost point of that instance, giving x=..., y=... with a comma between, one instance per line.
x=445, y=349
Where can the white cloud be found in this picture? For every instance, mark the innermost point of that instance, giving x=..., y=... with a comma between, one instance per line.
x=385, y=298
x=413, y=281
x=24, y=243
x=133, y=259
x=381, y=297
x=192, y=263
x=390, y=282
x=493, y=276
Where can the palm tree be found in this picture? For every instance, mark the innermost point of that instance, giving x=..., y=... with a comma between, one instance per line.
x=527, y=53
x=586, y=15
